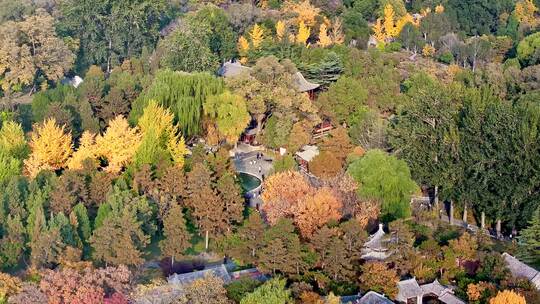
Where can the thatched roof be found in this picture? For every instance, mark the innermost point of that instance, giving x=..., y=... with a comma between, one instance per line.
x=408, y=289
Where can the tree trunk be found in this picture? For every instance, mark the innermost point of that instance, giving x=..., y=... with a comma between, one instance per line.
x=436, y=197
x=498, y=228
x=483, y=220
x=172, y=261
x=206, y=241
x=465, y=214
x=451, y=212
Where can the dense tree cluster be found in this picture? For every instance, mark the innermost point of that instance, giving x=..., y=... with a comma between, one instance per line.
x=119, y=124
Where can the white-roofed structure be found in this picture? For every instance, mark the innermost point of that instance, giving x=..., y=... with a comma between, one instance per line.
x=409, y=289
x=306, y=154
x=233, y=69
x=374, y=248
x=522, y=270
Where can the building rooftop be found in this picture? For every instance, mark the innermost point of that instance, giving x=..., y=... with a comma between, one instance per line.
x=186, y=278
x=308, y=152
x=408, y=289
x=234, y=69
x=374, y=248
x=372, y=297
x=522, y=270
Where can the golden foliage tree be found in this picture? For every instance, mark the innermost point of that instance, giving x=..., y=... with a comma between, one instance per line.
x=229, y=111
x=408, y=18
x=428, y=50
x=86, y=151
x=378, y=277
x=507, y=297
x=315, y=210
x=282, y=193
x=280, y=30
x=439, y=9
x=336, y=32
x=304, y=11
x=378, y=31
x=257, y=36
x=119, y=144
x=242, y=46
x=324, y=39
x=51, y=148
x=303, y=33
x=525, y=12
x=389, y=21
x=9, y=285
x=157, y=127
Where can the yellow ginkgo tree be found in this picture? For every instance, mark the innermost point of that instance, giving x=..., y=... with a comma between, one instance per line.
x=87, y=151
x=51, y=147
x=118, y=144
x=257, y=36
x=160, y=137
x=390, y=27
x=324, y=39
x=303, y=33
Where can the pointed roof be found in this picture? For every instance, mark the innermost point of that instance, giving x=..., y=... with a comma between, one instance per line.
x=302, y=84
x=408, y=289
x=374, y=248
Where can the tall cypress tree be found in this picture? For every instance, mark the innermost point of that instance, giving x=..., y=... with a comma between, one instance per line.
x=12, y=244
x=176, y=237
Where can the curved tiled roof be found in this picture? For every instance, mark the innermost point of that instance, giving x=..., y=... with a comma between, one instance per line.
x=233, y=69
x=522, y=270
x=408, y=289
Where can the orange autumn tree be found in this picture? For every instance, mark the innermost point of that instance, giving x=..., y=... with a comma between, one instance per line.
x=282, y=192
x=507, y=297
x=315, y=210
x=378, y=277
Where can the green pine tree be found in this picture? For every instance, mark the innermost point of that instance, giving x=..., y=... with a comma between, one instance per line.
x=529, y=241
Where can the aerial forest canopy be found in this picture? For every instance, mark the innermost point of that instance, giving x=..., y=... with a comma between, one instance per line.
x=269, y=151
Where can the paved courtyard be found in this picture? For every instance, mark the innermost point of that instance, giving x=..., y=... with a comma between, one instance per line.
x=247, y=162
